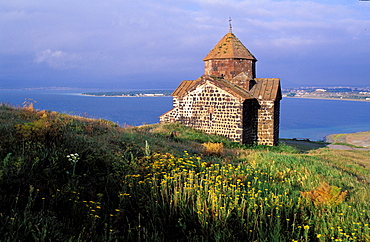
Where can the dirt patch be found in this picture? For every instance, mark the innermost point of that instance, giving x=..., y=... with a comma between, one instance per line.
x=357, y=139
x=345, y=147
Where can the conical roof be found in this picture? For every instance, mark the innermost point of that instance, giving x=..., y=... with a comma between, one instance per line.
x=229, y=47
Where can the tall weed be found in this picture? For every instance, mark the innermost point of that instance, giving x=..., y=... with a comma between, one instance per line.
x=210, y=148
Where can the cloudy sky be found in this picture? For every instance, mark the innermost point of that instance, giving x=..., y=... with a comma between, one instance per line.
x=125, y=44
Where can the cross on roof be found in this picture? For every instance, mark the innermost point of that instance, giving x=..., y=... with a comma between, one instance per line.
x=230, y=26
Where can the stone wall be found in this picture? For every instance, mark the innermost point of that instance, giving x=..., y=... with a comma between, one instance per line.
x=229, y=68
x=210, y=109
x=215, y=111
x=170, y=116
x=268, y=123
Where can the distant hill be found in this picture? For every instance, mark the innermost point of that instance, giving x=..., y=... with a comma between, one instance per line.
x=341, y=93
x=357, y=139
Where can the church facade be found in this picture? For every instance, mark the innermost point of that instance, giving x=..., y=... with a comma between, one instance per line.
x=228, y=99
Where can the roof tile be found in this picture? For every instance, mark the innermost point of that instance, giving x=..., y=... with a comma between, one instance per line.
x=229, y=47
x=266, y=89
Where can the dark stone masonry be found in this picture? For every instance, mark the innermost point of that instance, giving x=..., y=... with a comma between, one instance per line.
x=228, y=99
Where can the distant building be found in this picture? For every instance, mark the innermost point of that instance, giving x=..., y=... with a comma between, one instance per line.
x=228, y=99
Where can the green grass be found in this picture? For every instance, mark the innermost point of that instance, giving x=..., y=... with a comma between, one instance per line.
x=155, y=183
x=349, y=145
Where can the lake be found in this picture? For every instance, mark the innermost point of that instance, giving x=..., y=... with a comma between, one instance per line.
x=300, y=118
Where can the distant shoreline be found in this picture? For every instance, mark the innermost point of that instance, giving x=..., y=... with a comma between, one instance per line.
x=146, y=95
x=143, y=93
x=336, y=99
x=89, y=95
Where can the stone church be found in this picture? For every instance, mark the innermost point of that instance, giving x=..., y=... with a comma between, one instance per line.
x=228, y=99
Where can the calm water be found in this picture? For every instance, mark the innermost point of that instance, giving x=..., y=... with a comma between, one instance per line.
x=300, y=118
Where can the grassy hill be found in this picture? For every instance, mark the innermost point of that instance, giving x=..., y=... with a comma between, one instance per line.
x=361, y=139
x=71, y=178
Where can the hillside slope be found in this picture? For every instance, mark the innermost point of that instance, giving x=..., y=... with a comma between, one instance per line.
x=357, y=139
x=70, y=178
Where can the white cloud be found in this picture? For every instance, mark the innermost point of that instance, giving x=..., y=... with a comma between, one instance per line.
x=58, y=59
x=120, y=37
x=269, y=22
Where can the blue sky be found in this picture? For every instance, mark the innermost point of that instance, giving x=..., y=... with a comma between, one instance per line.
x=126, y=44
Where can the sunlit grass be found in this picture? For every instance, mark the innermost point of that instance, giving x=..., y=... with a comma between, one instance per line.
x=69, y=178
x=258, y=199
